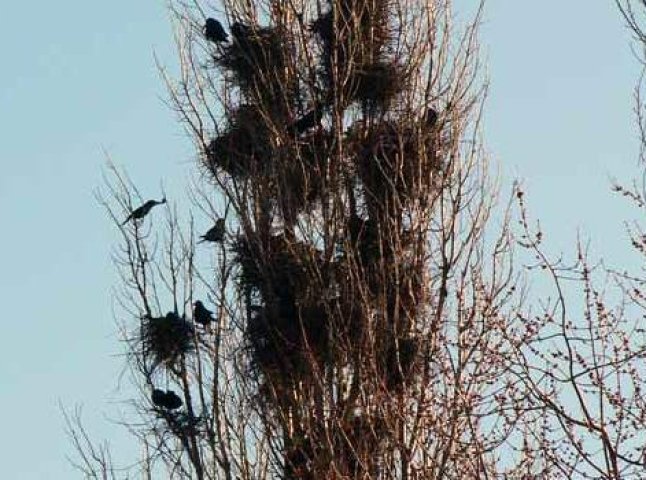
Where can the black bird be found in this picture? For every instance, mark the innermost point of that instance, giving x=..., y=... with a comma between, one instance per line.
x=214, y=31
x=168, y=399
x=159, y=398
x=201, y=314
x=215, y=233
x=307, y=121
x=431, y=117
x=141, y=212
x=172, y=401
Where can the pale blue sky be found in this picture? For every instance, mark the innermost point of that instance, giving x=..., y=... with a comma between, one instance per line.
x=78, y=78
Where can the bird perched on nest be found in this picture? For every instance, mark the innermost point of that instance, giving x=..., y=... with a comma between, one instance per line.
x=201, y=314
x=215, y=233
x=141, y=212
x=214, y=31
x=168, y=399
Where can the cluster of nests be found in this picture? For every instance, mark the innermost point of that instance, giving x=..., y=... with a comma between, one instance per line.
x=307, y=309
x=291, y=323
x=395, y=164
x=354, y=32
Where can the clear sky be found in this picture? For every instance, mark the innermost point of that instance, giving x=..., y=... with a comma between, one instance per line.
x=78, y=79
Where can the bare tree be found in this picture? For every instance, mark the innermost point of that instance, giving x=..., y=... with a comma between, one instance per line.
x=359, y=314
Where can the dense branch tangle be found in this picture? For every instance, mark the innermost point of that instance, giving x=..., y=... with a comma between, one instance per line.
x=341, y=151
x=366, y=324
x=343, y=136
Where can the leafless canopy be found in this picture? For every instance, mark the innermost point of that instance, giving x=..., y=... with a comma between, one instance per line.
x=368, y=320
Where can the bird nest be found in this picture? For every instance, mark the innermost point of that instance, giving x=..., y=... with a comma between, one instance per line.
x=244, y=148
x=352, y=36
x=165, y=340
x=285, y=339
x=257, y=58
x=396, y=164
x=289, y=326
x=278, y=269
x=376, y=84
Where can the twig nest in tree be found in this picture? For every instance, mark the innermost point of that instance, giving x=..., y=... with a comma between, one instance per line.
x=285, y=339
x=244, y=148
x=279, y=268
x=376, y=84
x=353, y=36
x=256, y=58
x=288, y=327
x=164, y=340
x=396, y=163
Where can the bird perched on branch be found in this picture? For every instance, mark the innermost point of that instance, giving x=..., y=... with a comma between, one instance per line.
x=168, y=399
x=215, y=233
x=141, y=212
x=201, y=314
x=214, y=31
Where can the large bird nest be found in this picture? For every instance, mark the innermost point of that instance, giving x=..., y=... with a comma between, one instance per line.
x=396, y=164
x=285, y=339
x=257, y=58
x=376, y=84
x=278, y=267
x=244, y=148
x=165, y=340
x=288, y=325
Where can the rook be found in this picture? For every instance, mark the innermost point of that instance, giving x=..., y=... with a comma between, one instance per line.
x=142, y=211
x=215, y=233
x=201, y=314
x=214, y=31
